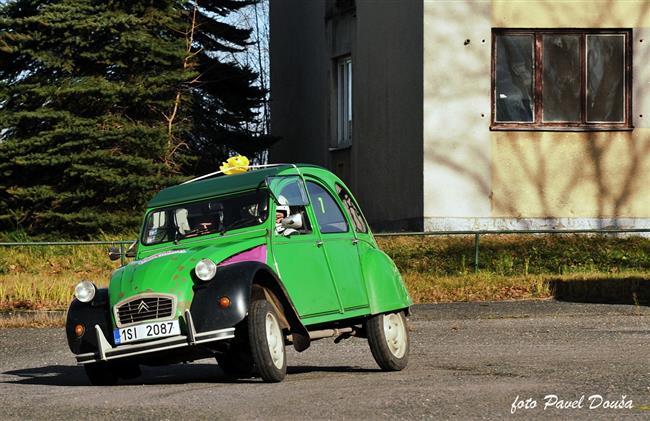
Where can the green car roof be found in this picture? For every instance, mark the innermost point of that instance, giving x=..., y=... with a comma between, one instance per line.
x=218, y=185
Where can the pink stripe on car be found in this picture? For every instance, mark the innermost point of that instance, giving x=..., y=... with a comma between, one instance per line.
x=256, y=254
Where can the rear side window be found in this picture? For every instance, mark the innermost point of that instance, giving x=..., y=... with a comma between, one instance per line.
x=354, y=212
x=328, y=214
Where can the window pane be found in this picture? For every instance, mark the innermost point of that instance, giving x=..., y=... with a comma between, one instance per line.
x=605, y=78
x=561, y=81
x=353, y=210
x=340, y=83
x=344, y=101
x=288, y=190
x=328, y=214
x=156, y=230
x=514, y=74
x=206, y=217
x=348, y=66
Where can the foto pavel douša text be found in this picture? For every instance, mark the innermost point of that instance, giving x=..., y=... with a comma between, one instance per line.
x=554, y=402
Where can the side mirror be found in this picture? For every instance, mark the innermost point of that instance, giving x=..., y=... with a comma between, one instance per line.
x=292, y=221
x=132, y=250
x=291, y=224
x=114, y=253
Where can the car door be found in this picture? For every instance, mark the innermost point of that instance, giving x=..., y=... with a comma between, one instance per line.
x=300, y=258
x=340, y=246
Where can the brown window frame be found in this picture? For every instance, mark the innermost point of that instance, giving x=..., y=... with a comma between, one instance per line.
x=538, y=124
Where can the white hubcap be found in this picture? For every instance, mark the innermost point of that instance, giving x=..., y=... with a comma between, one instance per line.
x=274, y=340
x=395, y=333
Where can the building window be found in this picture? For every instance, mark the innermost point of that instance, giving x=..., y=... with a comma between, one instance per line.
x=561, y=79
x=344, y=101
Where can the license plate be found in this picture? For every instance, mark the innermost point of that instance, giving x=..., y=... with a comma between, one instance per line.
x=146, y=331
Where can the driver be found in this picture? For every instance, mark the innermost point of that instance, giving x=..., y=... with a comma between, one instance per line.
x=281, y=212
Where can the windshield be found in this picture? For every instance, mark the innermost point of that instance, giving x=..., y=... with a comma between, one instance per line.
x=205, y=217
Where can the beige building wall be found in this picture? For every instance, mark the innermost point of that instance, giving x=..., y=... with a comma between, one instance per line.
x=478, y=179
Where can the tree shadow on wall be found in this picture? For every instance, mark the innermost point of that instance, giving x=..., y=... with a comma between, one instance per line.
x=546, y=175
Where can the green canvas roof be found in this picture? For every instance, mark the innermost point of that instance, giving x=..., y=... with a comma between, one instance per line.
x=219, y=185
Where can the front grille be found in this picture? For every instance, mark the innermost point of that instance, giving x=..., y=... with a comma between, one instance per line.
x=143, y=308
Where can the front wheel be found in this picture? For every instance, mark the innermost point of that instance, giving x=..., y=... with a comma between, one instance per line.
x=266, y=341
x=101, y=374
x=237, y=362
x=235, y=365
x=389, y=340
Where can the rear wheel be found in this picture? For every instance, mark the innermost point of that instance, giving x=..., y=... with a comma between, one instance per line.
x=101, y=374
x=266, y=341
x=389, y=340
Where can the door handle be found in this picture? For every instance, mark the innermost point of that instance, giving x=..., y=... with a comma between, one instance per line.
x=355, y=242
x=319, y=243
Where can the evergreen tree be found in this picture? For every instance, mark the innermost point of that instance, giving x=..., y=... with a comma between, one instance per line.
x=223, y=98
x=102, y=103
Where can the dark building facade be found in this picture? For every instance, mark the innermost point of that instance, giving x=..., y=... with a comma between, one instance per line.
x=341, y=100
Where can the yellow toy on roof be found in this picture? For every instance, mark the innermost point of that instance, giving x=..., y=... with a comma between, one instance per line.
x=235, y=165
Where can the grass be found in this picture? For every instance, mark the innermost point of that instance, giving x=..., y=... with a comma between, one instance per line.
x=491, y=287
x=479, y=287
x=519, y=255
x=441, y=269
x=38, y=320
x=43, y=278
x=435, y=269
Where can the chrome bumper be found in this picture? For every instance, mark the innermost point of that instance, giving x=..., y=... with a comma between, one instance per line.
x=107, y=352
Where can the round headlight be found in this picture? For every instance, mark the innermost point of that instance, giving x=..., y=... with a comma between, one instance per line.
x=85, y=291
x=205, y=269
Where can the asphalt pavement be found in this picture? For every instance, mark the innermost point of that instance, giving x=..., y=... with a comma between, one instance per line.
x=538, y=359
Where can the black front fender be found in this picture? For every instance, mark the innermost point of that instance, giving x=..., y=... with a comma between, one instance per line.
x=236, y=281
x=232, y=281
x=89, y=314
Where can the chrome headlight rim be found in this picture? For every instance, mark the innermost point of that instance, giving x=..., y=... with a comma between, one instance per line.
x=85, y=291
x=205, y=270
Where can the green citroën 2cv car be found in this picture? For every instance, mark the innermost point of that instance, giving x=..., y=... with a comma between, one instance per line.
x=237, y=266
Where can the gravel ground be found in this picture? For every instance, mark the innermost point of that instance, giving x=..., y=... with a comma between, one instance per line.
x=467, y=361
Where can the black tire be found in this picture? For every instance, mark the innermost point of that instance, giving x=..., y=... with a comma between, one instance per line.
x=269, y=358
x=392, y=353
x=101, y=374
x=236, y=363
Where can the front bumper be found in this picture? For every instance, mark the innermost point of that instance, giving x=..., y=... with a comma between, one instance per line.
x=106, y=352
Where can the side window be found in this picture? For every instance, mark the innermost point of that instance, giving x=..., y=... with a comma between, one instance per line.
x=289, y=190
x=291, y=220
x=328, y=214
x=353, y=210
x=290, y=215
